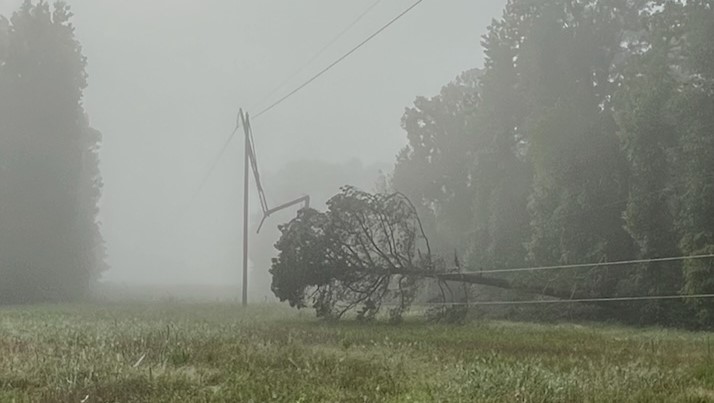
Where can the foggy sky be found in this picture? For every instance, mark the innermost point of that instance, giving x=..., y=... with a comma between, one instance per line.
x=166, y=78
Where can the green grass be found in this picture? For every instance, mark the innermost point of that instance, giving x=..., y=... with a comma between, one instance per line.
x=225, y=353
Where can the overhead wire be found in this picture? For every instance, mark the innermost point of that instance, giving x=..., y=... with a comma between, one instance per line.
x=223, y=149
x=583, y=300
x=338, y=61
x=577, y=300
x=599, y=264
x=319, y=52
x=214, y=164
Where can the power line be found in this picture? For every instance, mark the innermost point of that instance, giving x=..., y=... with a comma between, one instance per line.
x=602, y=264
x=254, y=161
x=320, y=52
x=570, y=301
x=336, y=62
x=305, y=84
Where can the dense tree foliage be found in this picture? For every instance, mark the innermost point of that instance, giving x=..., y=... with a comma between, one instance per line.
x=50, y=246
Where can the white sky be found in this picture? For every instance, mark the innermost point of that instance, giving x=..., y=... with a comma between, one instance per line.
x=166, y=78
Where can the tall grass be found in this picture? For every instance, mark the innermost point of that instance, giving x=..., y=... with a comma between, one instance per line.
x=169, y=353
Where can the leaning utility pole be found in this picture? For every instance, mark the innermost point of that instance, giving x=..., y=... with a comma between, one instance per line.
x=252, y=163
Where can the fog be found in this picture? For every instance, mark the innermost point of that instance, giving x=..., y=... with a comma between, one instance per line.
x=534, y=177
x=166, y=79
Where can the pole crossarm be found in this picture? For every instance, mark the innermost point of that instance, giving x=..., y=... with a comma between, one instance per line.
x=267, y=213
x=253, y=160
x=251, y=164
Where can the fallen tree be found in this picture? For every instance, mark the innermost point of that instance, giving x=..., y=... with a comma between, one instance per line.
x=364, y=252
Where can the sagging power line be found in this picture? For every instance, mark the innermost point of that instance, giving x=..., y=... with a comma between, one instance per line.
x=572, y=301
x=600, y=264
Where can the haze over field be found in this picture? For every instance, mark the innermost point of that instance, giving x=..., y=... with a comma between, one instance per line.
x=166, y=79
x=562, y=150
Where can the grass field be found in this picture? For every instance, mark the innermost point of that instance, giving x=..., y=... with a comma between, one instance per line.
x=173, y=352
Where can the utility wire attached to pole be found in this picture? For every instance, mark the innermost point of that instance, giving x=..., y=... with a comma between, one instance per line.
x=223, y=149
x=250, y=155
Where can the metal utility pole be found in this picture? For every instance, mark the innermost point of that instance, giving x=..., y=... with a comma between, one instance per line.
x=251, y=163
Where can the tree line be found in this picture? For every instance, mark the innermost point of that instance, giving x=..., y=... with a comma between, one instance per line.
x=587, y=136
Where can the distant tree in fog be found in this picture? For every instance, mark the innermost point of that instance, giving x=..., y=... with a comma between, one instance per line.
x=50, y=245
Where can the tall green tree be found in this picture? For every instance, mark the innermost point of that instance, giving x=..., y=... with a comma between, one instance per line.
x=500, y=174
x=50, y=245
x=433, y=169
x=693, y=110
x=579, y=172
x=649, y=137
